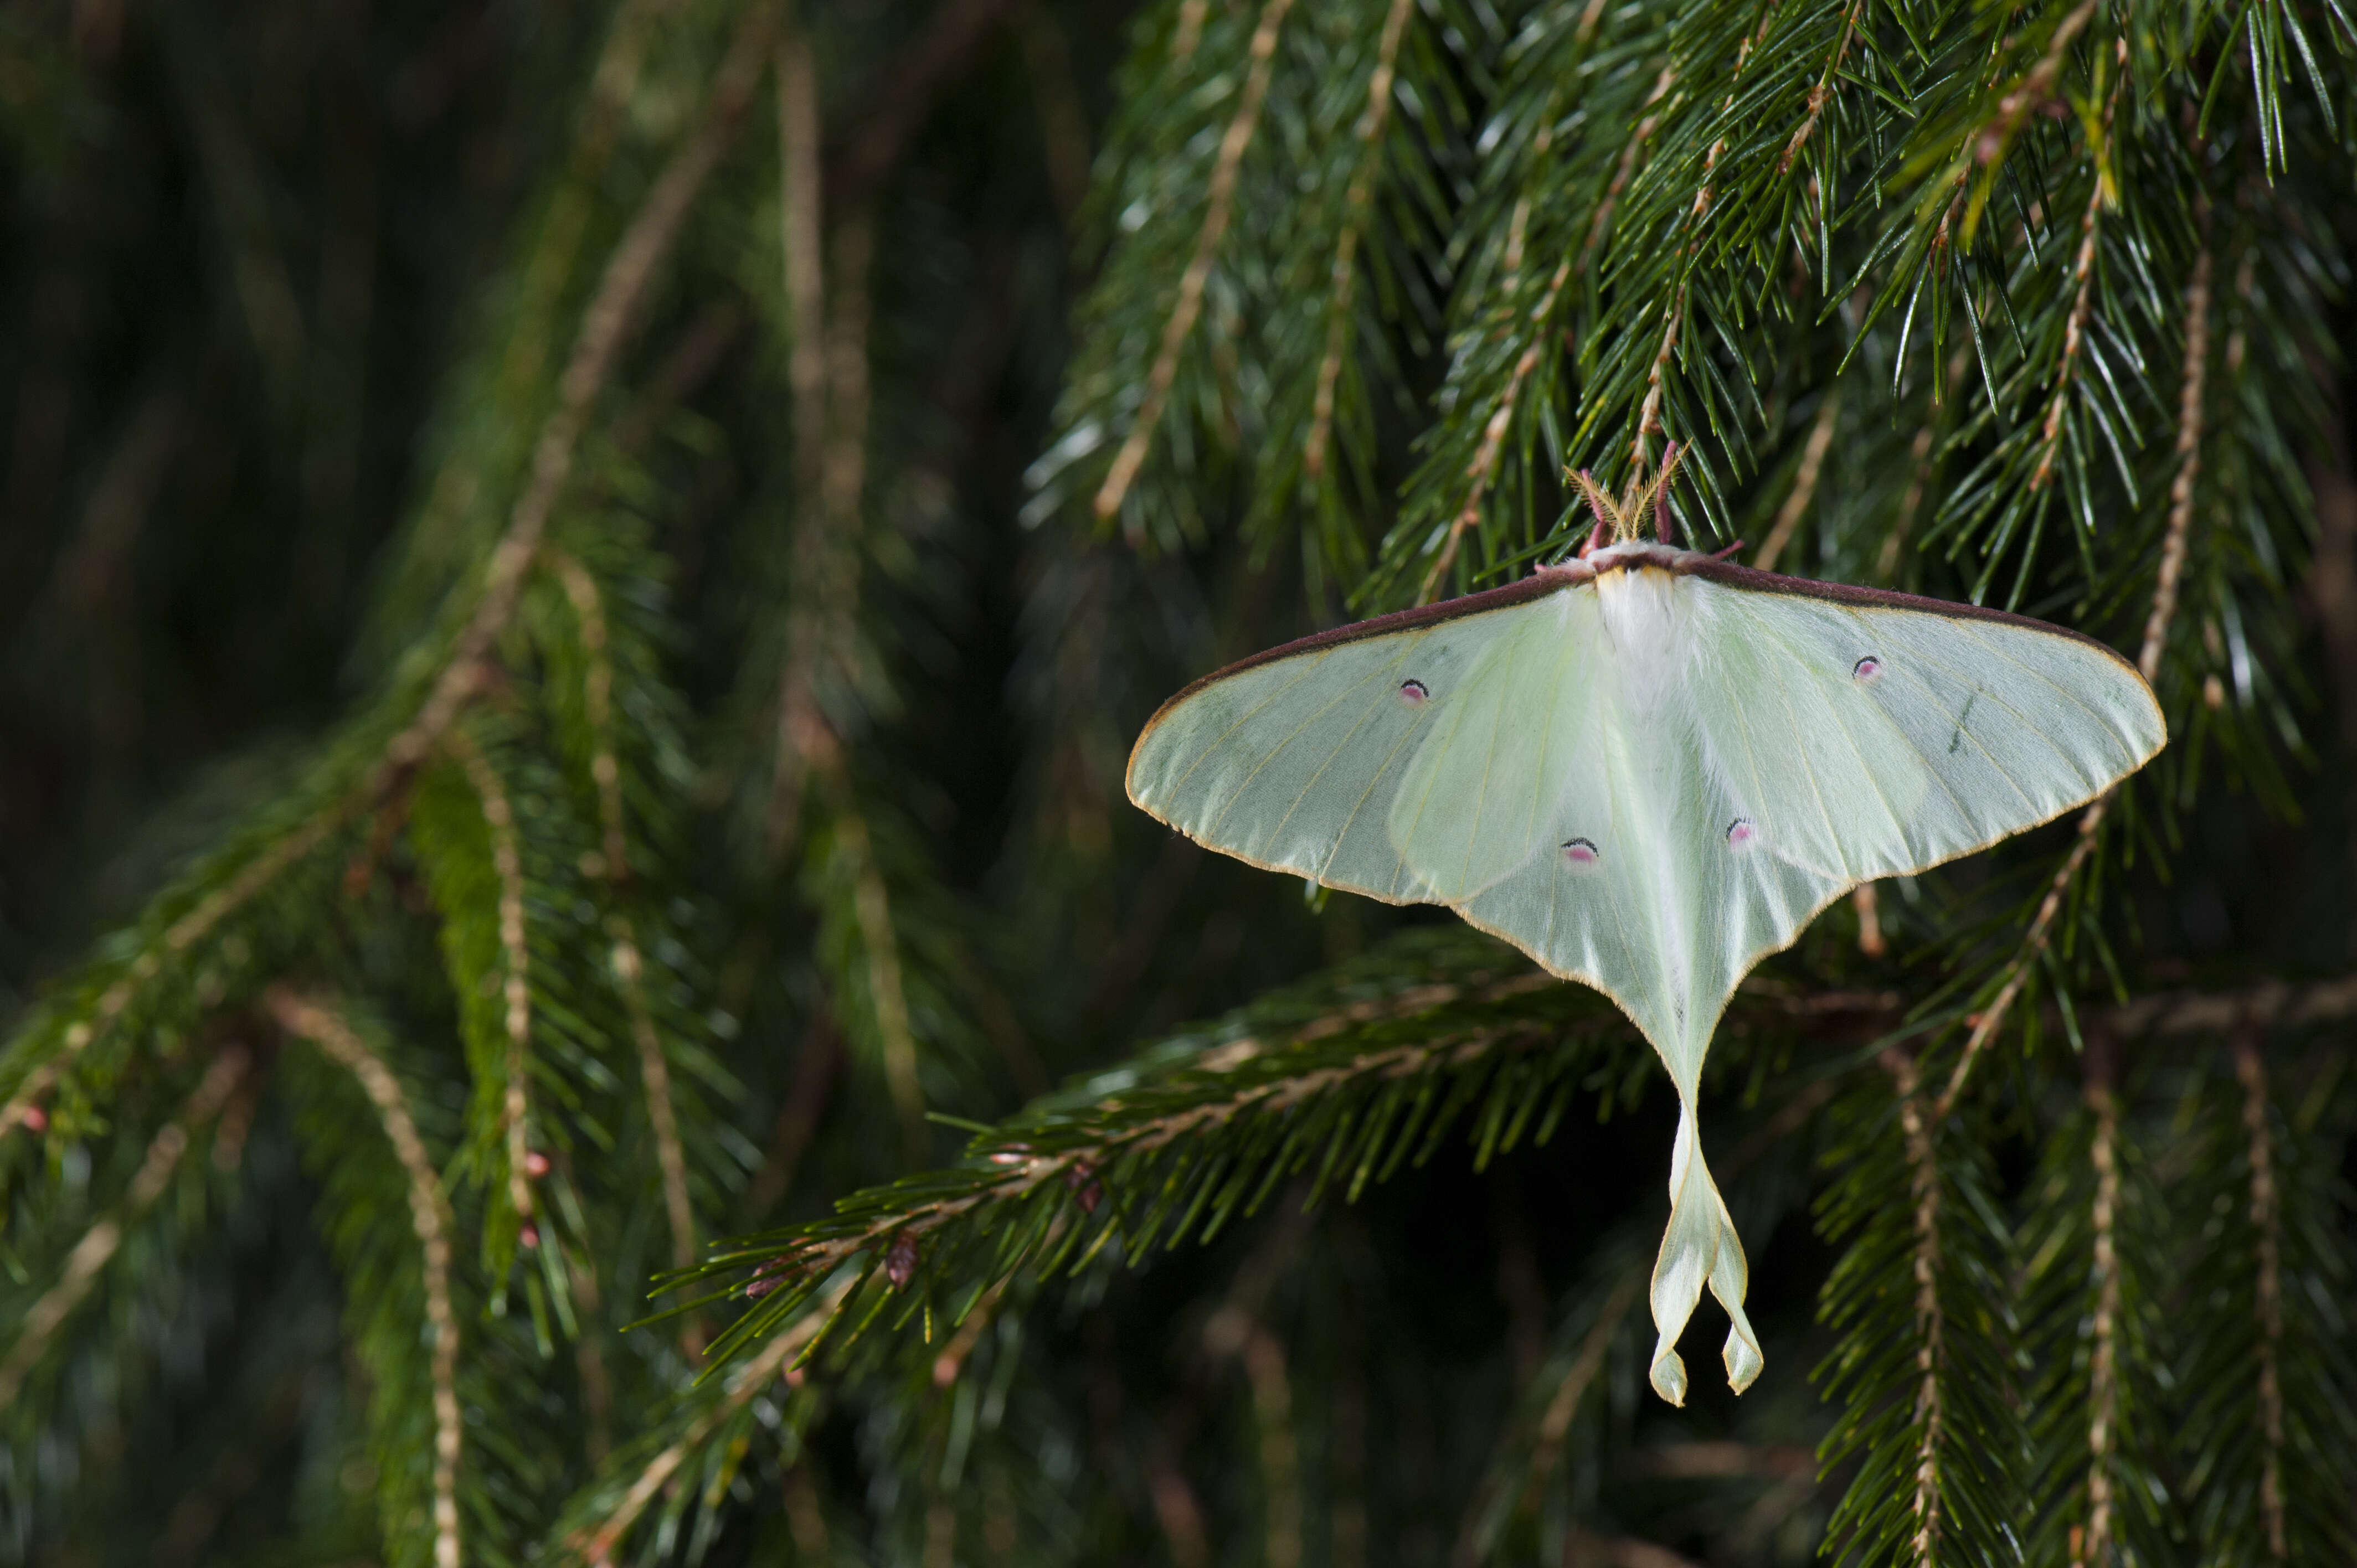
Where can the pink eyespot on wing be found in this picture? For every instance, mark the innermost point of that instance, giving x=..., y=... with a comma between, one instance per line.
x=1413, y=693
x=1578, y=853
x=1740, y=832
x=1865, y=670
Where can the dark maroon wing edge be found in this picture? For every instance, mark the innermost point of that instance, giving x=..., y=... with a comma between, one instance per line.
x=1539, y=585
x=1758, y=582
x=1530, y=587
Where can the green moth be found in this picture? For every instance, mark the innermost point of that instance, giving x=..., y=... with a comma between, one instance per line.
x=1648, y=769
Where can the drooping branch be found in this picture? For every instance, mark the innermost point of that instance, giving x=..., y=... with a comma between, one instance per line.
x=1218, y=207
x=606, y=773
x=309, y=1018
x=1343, y=281
x=2155, y=641
x=757, y=1375
x=606, y=327
x=607, y=324
x=507, y=867
x=102, y=1240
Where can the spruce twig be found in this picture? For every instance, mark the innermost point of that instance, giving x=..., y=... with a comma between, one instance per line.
x=99, y=1244
x=312, y=1019
x=2155, y=641
x=1218, y=204
x=507, y=864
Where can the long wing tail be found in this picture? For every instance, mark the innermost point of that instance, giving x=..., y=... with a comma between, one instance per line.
x=1699, y=1247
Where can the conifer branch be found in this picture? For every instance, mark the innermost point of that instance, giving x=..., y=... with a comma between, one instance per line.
x=597, y=1545
x=101, y=1241
x=2189, y=469
x=654, y=1073
x=2156, y=641
x=802, y=247
x=309, y=1018
x=1219, y=199
x=280, y=855
x=1649, y=412
x=2094, y=1546
x=1923, y=1167
x=2074, y=334
x=1491, y=450
x=2268, y=1289
x=1493, y=436
x=1343, y=281
x=606, y=327
x=507, y=865
x=614, y=867
x=1820, y=92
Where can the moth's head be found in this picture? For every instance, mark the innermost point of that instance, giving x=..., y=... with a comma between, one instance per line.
x=1621, y=522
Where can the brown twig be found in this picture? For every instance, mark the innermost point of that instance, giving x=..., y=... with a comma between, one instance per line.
x=101, y=1241
x=2074, y=334
x=1218, y=204
x=429, y=1215
x=507, y=867
x=2266, y=1227
x=614, y=868
x=2036, y=88
x=1342, y=281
